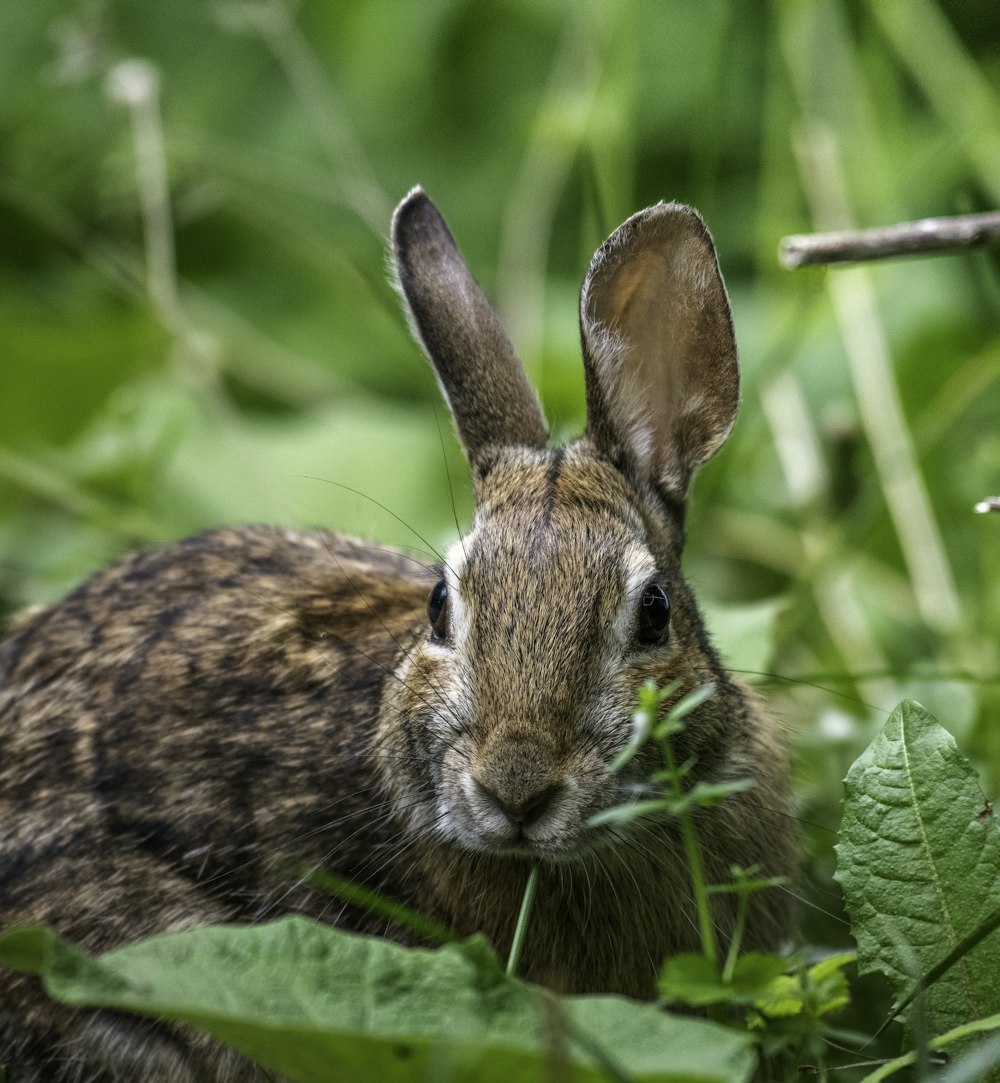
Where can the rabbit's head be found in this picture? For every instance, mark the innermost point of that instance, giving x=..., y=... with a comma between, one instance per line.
x=566, y=594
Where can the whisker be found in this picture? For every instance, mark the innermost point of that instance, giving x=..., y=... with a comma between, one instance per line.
x=378, y=504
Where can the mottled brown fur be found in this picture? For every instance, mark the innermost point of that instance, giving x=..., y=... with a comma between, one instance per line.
x=194, y=726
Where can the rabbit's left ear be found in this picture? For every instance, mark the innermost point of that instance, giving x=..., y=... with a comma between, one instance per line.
x=481, y=376
x=659, y=351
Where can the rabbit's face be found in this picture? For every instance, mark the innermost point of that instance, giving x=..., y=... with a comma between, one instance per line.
x=567, y=593
x=550, y=613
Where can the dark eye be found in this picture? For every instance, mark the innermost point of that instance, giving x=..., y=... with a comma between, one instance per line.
x=654, y=616
x=437, y=610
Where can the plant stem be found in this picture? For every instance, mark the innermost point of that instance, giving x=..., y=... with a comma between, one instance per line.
x=734, y=945
x=521, y=929
x=692, y=851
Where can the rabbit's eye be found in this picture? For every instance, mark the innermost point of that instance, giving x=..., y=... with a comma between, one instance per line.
x=437, y=610
x=653, y=617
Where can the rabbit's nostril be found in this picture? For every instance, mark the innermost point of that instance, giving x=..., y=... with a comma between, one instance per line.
x=535, y=807
x=522, y=811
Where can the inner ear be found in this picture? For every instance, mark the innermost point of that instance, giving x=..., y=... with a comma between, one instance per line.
x=659, y=349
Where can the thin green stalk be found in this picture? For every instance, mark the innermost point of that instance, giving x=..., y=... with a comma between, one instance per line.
x=692, y=851
x=737, y=940
x=521, y=929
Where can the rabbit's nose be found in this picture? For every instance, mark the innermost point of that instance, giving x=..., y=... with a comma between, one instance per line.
x=521, y=810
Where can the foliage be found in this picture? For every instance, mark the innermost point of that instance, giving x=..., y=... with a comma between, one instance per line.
x=317, y=1004
x=782, y=1002
x=676, y=798
x=919, y=860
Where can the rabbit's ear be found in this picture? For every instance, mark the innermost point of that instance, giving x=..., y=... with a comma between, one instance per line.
x=659, y=350
x=479, y=372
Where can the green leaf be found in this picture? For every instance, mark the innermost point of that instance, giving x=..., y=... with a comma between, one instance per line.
x=755, y=971
x=782, y=998
x=692, y=979
x=821, y=989
x=700, y=795
x=697, y=981
x=624, y=813
x=650, y=697
x=827, y=982
x=959, y=951
x=712, y=794
x=919, y=862
x=317, y=1004
x=671, y=723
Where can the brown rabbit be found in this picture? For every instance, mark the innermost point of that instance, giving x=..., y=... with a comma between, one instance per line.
x=196, y=721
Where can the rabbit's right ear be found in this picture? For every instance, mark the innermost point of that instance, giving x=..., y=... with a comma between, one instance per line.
x=480, y=374
x=663, y=380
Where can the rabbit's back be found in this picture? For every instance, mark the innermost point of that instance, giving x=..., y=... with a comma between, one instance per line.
x=190, y=706
x=187, y=732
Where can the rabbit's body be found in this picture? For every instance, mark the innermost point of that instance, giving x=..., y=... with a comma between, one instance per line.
x=196, y=725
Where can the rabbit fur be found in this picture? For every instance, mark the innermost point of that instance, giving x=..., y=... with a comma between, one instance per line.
x=197, y=720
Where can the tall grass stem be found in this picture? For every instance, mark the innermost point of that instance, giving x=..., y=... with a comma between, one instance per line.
x=521, y=929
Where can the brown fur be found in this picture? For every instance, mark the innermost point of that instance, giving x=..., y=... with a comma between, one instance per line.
x=197, y=723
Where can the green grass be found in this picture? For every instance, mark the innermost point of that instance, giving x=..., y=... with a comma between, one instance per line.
x=160, y=373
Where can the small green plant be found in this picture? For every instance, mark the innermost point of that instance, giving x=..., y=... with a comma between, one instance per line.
x=677, y=798
x=782, y=1002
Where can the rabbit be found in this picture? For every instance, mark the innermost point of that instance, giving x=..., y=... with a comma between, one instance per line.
x=194, y=725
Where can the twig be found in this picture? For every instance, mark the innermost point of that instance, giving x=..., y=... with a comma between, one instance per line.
x=904, y=239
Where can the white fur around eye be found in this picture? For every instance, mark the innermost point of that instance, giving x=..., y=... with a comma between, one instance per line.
x=458, y=612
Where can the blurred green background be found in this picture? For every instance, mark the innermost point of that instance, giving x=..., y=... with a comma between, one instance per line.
x=238, y=355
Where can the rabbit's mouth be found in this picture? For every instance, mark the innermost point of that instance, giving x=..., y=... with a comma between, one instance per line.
x=536, y=810
x=535, y=821
x=569, y=848
x=555, y=845
x=562, y=836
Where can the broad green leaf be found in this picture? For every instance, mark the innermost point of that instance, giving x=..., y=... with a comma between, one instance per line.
x=319, y=1004
x=919, y=862
x=692, y=979
x=696, y=980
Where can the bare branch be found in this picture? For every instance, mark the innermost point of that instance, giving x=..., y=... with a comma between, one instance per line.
x=904, y=239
